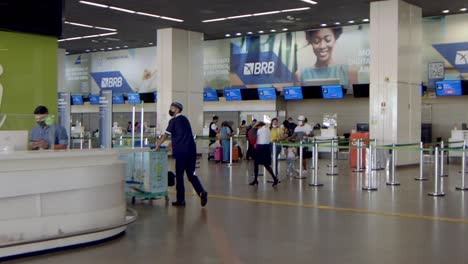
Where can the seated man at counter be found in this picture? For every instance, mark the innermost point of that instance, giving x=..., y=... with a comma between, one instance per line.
x=47, y=135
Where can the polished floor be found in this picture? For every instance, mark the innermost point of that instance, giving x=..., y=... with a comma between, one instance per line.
x=294, y=223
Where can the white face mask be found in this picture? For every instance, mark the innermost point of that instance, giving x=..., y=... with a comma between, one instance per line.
x=275, y=126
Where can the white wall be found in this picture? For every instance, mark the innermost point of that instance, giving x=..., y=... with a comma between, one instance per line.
x=446, y=112
x=350, y=111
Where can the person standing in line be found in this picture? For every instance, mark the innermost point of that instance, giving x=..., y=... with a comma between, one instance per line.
x=263, y=155
x=251, y=150
x=185, y=153
x=301, y=132
x=226, y=134
x=243, y=128
x=213, y=129
x=277, y=135
x=292, y=126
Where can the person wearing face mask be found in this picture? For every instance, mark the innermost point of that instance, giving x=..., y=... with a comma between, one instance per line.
x=277, y=134
x=184, y=152
x=47, y=135
x=303, y=130
x=323, y=42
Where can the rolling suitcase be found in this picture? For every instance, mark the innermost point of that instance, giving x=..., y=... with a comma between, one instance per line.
x=235, y=154
x=218, y=154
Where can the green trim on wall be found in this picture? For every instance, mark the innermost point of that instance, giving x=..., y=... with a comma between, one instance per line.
x=29, y=77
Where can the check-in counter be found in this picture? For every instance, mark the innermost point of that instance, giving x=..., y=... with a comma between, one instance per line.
x=54, y=199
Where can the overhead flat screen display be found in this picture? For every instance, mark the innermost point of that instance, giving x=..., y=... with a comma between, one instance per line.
x=94, y=99
x=77, y=99
x=361, y=90
x=448, y=88
x=210, y=95
x=293, y=93
x=268, y=93
x=233, y=94
x=133, y=98
x=332, y=92
x=155, y=97
x=118, y=99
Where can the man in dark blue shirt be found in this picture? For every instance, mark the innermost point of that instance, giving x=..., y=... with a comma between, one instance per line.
x=185, y=153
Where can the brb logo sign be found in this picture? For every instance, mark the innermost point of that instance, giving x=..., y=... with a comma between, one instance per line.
x=112, y=80
x=259, y=68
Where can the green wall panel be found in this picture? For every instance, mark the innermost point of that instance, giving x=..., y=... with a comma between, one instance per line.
x=29, y=77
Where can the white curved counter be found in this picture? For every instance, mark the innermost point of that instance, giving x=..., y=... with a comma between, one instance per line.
x=54, y=199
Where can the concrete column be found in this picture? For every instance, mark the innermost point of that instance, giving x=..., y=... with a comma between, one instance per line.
x=395, y=75
x=180, y=75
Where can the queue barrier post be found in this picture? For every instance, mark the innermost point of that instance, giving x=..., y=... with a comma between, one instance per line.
x=442, y=157
x=230, y=151
x=393, y=181
x=301, y=155
x=314, y=181
x=332, y=165
x=370, y=186
x=421, y=163
x=438, y=192
x=359, y=157
x=463, y=186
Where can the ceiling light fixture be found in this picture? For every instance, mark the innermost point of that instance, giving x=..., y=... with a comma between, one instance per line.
x=463, y=9
x=78, y=24
x=109, y=48
x=117, y=47
x=108, y=29
x=310, y=2
x=115, y=8
x=122, y=9
x=446, y=11
x=147, y=14
x=323, y=25
x=295, y=9
x=87, y=50
x=351, y=21
x=94, y=4
x=241, y=16
x=88, y=36
x=227, y=35
x=261, y=31
x=273, y=30
x=365, y=20
x=337, y=23
x=285, y=29
x=171, y=19
x=151, y=43
x=249, y=33
x=256, y=14
x=102, y=49
x=88, y=26
x=214, y=20
x=266, y=13
x=238, y=34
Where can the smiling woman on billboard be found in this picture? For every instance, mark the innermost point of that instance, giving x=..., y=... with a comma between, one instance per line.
x=323, y=42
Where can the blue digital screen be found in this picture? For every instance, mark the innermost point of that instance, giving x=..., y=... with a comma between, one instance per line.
x=267, y=93
x=118, y=99
x=94, y=99
x=155, y=97
x=77, y=99
x=210, y=95
x=448, y=88
x=133, y=98
x=232, y=94
x=293, y=93
x=332, y=92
